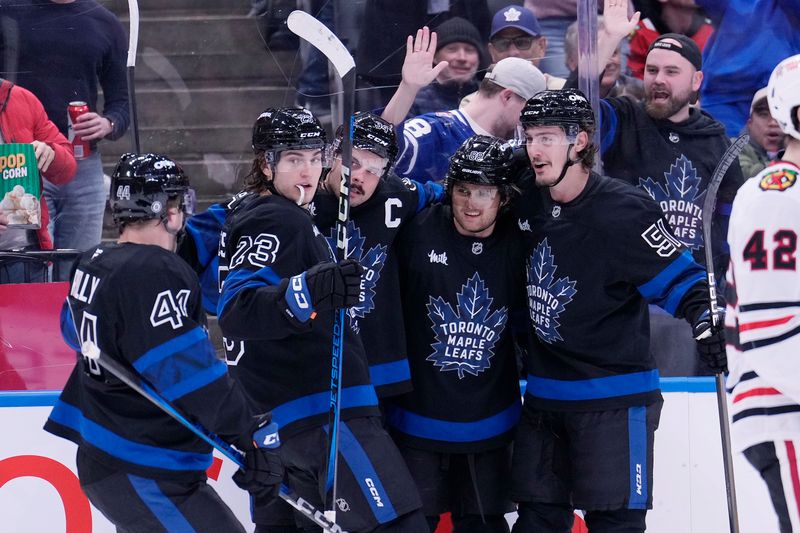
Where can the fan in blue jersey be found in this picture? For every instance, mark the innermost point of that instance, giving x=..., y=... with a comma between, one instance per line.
x=381, y=204
x=763, y=302
x=426, y=142
x=140, y=304
x=601, y=250
x=280, y=291
x=462, y=279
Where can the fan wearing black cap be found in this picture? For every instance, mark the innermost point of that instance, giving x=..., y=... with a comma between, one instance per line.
x=461, y=279
x=600, y=251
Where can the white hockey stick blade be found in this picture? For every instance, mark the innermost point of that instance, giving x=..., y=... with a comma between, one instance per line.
x=133, y=37
x=320, y=37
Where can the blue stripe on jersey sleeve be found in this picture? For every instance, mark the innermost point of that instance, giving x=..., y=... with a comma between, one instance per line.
x=204, y=228
x=448, y=431
x=181, y=365
x=428, y=193
x=242, y=279
x=127, y=450
x=68, y=330
x=388, y=373
x=668, y=288
x=608, y=125
x=592, y=389
x=209, y=286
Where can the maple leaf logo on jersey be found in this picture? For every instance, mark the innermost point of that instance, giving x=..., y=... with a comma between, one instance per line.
x=465, y=338
x=681, y=201
x=372, y=261
x=547, y=296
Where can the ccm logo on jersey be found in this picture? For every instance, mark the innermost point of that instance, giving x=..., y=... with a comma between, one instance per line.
x=170, y=309
x=780, y=180
x=658, y=237
x=374, y=492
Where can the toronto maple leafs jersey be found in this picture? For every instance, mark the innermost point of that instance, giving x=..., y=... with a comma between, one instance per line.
x=594, y=265
x=763, y=315
x=673, y=163
x=140, y=305
x=426, y=143
x=371, y=231
x=283, y=363
x=458, y=296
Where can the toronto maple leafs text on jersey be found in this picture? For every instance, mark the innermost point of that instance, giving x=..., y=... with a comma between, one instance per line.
x=673, y=162
x=763, y=313
x=141, y=306
x=283, y=359
x=371, y=231
x=459, y=294
x=594, y=265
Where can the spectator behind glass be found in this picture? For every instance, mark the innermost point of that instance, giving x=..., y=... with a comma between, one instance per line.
x=766, y=137
x=65, y=48
x=613, y=82
x=380, y=60
x=554, y=17
x=752, y=36
x=460, y=45
x=23, y=120
x=517, y=33
x=666, y=16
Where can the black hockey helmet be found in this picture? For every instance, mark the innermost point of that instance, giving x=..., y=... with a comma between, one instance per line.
x=142, y=184
x=287, y=128
x=371, y=132
x=567, y=108
x=483, y=160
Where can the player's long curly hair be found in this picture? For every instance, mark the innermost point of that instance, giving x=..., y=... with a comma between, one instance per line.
x=256, y=180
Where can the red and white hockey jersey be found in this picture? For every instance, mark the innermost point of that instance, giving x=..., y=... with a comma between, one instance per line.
x=763, y=313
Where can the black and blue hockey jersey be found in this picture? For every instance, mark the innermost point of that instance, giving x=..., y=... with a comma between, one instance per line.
x=140, y=305
x=459, y=294
x=595, y=264
x=371, y=232
x=283, y=362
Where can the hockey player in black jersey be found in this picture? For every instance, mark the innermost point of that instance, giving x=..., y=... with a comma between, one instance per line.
x=380, y=205
x=601, y=251
x=462, y=277
x=280, y=290
x=140, y=304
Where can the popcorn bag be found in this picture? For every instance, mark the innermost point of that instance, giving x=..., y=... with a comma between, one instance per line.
x=20, y=186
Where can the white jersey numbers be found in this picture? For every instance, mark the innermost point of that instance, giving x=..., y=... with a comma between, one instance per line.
x=259, y=252
x=170, y=309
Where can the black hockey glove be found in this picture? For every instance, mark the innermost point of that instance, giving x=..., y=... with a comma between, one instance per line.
x=323, y=287
x=710, y=343
x=263, y=471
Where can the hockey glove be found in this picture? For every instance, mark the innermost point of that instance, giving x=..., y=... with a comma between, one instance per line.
x=710, y=343
x=324, y=287
x=263, y=472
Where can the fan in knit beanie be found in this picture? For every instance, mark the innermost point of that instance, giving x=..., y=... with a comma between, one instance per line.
x=460, y=30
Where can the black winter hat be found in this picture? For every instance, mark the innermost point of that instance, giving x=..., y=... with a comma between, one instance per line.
x=458, y=30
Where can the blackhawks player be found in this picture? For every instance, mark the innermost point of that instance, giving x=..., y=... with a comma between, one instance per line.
x=140, y=304
x=601, y=251
x=462, y=277
x=380, y=205
x=763, y=305
x=280, y=289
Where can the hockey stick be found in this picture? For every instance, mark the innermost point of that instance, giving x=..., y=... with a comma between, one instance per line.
x=133, y=44
x=709, y=204
x=320, y=37
x=92, y=351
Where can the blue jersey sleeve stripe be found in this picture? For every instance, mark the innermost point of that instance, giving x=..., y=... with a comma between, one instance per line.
x=657, y=288
x=388, y=373
x=319, y=403
x=678, y=291
x=608, y=125
x=68, y=330
x=242, y=279
x=171, y=347
x=362, y=468
x=132, y=452
x=195, y=381
x=637, y=451
x=160, y=505
x=209, y=285
x=592, y=389
x=449, y=431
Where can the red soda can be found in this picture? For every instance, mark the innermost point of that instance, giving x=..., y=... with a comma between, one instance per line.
x=80, y=148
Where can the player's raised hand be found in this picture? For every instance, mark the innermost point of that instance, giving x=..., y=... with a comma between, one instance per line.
x=418, y=69
x=615, y=18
